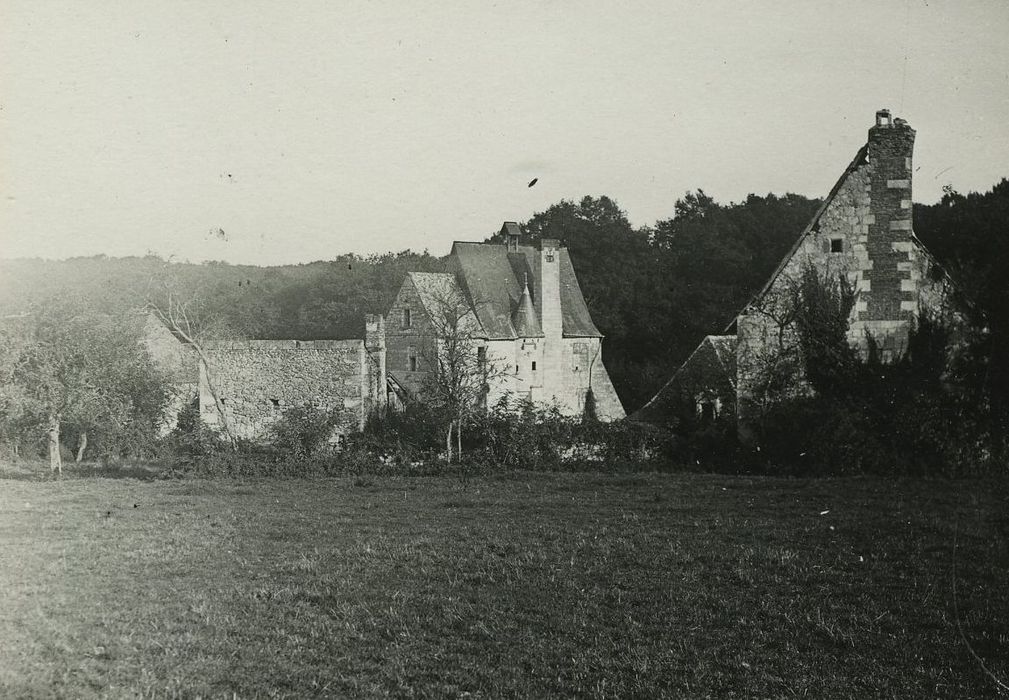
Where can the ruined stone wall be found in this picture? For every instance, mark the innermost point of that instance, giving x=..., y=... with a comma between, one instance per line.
x=257, y=380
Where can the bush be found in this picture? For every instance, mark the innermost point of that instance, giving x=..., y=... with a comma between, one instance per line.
x=303, y=430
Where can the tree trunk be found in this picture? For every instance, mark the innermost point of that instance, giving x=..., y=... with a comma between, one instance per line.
x=55, y=461
x=82, y=444
x=458, y=438
x=448, y=444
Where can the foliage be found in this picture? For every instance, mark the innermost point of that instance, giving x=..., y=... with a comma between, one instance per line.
x=303, y=431
x=84, y=371
x=902, y=418
x=970, y=237
x=821, y=319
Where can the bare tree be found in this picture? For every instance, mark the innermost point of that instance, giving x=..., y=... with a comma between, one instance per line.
x=459, y=369
x=180, y=314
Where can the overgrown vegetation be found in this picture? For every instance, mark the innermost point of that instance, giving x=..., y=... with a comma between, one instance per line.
x=920, y=413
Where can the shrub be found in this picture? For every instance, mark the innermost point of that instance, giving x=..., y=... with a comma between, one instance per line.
x=303, y=430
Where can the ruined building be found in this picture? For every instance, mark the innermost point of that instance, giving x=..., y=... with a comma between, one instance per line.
x=257, y=380
x=526, y=315
x=862, y=232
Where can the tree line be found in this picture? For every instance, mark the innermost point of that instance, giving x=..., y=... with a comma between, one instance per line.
x=654, y=291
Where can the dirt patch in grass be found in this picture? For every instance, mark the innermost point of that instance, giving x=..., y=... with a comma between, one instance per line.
x=560, y=585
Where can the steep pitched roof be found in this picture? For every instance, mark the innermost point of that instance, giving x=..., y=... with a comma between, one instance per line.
x=493, y=277
x=439, y=292
x=711, y=367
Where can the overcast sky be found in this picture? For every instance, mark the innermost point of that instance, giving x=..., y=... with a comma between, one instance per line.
x=303, y=130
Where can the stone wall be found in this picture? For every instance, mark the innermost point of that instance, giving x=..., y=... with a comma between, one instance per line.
x=564, y=368
x=257, y=380
x=405, y=341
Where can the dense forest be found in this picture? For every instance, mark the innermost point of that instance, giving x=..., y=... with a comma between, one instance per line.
x=654, y=291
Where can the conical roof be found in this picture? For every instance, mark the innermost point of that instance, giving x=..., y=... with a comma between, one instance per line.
x=524, y=319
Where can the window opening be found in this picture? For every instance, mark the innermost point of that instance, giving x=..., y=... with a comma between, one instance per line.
x=836, y=245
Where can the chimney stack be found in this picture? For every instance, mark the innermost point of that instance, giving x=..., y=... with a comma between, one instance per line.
x=891, y=293
x=511, y=232
x=548, y=295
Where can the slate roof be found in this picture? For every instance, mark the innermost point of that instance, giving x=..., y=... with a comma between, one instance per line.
x=524, y=320
x=440, y=291
x=711, y=367
x=493, y=278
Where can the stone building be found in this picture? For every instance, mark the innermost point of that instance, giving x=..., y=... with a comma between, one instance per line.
x=257, y=380
x=863, y=233
x=527, y=318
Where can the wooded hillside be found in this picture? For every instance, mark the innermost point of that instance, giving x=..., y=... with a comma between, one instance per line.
x=654, y=291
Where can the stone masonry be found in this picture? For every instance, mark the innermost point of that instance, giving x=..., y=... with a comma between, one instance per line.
x=257, y=380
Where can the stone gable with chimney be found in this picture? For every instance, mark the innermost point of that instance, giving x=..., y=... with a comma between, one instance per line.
x=863, y=233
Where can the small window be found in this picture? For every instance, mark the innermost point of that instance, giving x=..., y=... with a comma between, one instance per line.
x=836, y=245
x=481, y=357
x=534, y=365
x=407, y=319
x=275, y=402
x=411, y=359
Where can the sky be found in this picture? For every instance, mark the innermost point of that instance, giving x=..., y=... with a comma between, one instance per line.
x=272, y=132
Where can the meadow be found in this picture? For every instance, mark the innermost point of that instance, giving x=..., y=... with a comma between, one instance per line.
x=521, y=584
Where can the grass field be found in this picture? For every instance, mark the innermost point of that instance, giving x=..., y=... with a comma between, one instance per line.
x=525, y=584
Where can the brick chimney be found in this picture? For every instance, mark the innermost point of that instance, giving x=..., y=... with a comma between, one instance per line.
x=548, y=293
x=890, y=149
